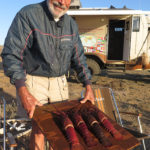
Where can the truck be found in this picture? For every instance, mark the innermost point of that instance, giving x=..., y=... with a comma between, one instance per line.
x=114, y=37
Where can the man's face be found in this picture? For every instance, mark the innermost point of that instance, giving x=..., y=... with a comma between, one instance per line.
x=59, y=7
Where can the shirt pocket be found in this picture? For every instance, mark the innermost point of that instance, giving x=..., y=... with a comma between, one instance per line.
x=66, y=46
x=66, y=51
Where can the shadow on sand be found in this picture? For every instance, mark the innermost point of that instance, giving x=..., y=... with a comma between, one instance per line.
x=142, y=75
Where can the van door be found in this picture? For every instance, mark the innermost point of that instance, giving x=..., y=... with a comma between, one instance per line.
x=127, y=39
x=116, y=39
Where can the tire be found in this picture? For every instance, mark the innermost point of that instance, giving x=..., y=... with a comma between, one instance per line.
x=94, y=68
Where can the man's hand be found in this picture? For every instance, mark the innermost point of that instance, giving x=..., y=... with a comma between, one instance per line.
x=28, y=101
x=89, y=95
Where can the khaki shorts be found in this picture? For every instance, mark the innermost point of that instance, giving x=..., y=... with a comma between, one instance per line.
x=45, y=90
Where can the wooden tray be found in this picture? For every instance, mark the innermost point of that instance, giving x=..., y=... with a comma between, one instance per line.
x=48, y=124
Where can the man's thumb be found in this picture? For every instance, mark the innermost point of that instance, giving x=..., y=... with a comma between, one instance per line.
x=31, y=113
x=83, y=101
x=39, y=104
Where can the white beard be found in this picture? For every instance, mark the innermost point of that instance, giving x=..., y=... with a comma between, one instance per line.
x=52, y=10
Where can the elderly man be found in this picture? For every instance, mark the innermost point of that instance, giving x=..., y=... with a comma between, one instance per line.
x=41, y=44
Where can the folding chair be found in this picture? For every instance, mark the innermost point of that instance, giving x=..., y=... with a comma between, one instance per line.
x=106, y=102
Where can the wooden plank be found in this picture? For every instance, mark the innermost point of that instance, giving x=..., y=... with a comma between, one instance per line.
x=45, y=118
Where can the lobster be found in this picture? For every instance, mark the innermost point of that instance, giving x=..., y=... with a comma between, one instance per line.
x=106, y=123
x=70, y=131
x=83, y=129
x=95, y=128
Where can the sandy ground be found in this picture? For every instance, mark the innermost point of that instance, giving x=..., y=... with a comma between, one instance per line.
x=131, y=90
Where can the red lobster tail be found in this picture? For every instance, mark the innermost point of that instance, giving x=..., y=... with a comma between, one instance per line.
x=83, y=130
x=115, y=133
x=70, y=132
x=95, y=127
x=108, y=125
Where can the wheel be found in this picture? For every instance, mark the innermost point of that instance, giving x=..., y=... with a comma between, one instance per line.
x=94, y=68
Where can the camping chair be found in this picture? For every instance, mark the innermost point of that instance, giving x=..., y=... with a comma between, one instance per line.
x=106, y=102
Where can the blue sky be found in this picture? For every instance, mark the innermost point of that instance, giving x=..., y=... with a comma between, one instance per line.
x=9, y=8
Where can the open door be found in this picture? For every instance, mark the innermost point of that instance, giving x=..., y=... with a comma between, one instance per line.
x=116, y=39
x=127, y=39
